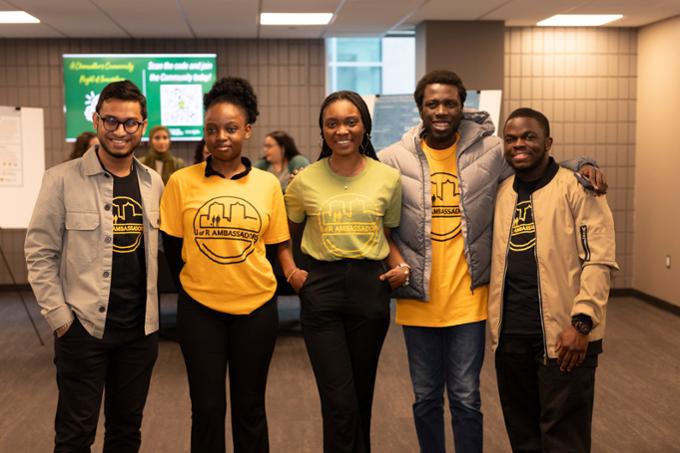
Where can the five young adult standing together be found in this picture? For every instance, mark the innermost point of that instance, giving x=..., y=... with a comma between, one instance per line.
x=217, y=217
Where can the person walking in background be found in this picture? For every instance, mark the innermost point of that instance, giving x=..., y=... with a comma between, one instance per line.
x=281, y=157
x=91, y=254
x=553, y=255
x=350, y=202
x=216, y=219
x=85, y=141
x=160, y=158
x=451, y=165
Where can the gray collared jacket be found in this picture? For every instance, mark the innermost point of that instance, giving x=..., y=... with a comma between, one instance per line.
x=69, y=243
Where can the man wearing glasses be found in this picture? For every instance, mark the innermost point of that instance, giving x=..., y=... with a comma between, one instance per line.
x=91, y=254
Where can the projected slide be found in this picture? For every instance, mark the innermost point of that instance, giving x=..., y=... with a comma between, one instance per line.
x=173, y=85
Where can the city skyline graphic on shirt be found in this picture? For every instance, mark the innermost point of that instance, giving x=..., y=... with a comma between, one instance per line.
x=227, y=229
x=128, y=224
x=446, y=215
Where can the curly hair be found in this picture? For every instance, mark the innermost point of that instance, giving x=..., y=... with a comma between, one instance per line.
x=233, y=90
x=443, y=77
x=358, y=102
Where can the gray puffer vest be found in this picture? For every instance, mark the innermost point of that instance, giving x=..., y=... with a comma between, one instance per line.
x=481, y=167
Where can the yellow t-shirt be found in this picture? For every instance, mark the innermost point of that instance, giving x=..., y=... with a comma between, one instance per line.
x=345, y=215
x=452, y=302
x=225, y=224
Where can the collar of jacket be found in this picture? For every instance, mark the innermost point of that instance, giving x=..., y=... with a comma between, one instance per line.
x=548, y=176
x=92, y=166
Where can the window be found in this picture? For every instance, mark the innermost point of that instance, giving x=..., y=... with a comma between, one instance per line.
x=371, y=65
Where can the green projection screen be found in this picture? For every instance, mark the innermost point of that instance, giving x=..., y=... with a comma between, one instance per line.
x=172, y=83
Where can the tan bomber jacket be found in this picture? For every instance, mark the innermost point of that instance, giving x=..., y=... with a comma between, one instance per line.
x=576, y=253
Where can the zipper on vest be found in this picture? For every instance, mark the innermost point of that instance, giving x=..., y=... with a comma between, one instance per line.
x=463, y=217
x=538, y=281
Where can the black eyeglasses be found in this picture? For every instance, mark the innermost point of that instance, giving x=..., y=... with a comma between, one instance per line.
x=111, y=123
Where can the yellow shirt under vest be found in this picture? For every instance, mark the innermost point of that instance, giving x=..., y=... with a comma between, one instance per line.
x=452, y=302
x=225, y=224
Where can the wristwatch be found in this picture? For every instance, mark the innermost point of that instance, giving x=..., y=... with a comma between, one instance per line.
x=582, y=323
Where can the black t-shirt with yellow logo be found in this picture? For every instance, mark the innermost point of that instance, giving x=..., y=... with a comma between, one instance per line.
x=127, y=299
x=521, y=309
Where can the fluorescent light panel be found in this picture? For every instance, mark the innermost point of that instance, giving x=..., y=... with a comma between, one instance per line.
x=295, y=18
x=579, y=20
x=17, y=17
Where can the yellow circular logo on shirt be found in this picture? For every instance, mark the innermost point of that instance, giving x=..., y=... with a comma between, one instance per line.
x=128, y=224
x=226, y=229
x=445, y=206
x=349, y=225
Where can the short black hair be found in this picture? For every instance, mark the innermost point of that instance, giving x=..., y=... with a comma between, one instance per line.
x=285, y=141
x=443, y=77
x=233, y=90
x=125, y=91
x=358, y=102
x=526, y=112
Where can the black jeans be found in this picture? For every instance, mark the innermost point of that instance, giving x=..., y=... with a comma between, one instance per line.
x=545, y=410
x=211, y=343
x=345, y=315
x=119, y=365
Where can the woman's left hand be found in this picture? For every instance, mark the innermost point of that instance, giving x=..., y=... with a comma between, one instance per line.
x=396, y=277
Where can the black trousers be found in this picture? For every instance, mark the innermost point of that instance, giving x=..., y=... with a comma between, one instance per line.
x=119, y=365
x=211, y=343
x=545, y=410
x=345, y=315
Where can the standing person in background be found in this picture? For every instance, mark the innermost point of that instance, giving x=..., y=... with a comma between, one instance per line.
x=351, y=202
x=216, y=219
x=91, y=254
x=160, y=157
x=451, y=166
x=85, y=141
x=553, y=255
x=201, y=152
x=281, y=157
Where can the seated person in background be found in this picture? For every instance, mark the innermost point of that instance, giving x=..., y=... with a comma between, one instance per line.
x=160, y=158
x=201, y=152
x=281, y=157
x=84, y=142
x=553, y=255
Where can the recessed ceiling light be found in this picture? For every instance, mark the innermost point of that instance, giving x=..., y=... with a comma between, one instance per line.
x=295, y=18
x=579, y=20
x=17, y=17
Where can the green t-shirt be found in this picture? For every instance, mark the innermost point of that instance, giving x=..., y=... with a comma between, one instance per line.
x=345, y=215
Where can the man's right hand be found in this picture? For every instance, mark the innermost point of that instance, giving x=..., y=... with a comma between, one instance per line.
x=61, y=331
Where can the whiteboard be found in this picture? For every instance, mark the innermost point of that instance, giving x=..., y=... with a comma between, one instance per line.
x=22, y=163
